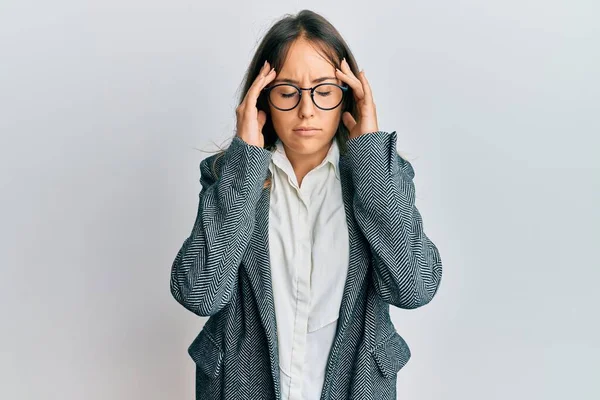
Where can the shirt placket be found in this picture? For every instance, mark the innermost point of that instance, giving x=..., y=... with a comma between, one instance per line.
x=303, y=267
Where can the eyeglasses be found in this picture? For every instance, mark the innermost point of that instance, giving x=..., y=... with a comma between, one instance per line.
x=285, y=96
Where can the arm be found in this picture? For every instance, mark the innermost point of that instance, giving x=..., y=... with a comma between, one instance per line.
x=204, y=272
x=407, y=268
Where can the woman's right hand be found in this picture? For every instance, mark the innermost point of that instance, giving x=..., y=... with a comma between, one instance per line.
x=250, y=120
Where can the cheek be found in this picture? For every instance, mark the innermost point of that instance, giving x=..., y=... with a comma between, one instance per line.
x=335, y=119
x=282, y=120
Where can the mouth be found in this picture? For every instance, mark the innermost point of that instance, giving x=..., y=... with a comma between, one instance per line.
x=306, y=132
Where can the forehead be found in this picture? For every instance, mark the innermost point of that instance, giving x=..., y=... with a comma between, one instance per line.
x=304, y=58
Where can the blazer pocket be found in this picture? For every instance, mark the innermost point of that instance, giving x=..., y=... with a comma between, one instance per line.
x=207, y=354
x=390, y=355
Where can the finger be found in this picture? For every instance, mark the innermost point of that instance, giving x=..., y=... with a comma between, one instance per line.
x=347, y=76
x=264, y=77
x=366, y=87
x=348, y=120
x=259, y=82
x=261, y=118
x=345, y=68
x=252, y=88
x=354, y=84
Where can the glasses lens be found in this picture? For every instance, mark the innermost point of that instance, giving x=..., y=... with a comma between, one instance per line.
x=286, y=96
x=328, y=95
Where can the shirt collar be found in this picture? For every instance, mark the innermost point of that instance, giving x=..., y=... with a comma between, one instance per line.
x=280, y=159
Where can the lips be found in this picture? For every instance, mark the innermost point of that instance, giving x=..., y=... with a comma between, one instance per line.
x=303, y=132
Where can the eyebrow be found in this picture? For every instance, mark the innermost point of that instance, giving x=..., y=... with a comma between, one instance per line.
x=321, y=79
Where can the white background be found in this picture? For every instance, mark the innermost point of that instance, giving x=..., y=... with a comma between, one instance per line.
x=102, y=107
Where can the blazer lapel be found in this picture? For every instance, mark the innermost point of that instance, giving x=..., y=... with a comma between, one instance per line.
x=358, y=267
x=257, y=262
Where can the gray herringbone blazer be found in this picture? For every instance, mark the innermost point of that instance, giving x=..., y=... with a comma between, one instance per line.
x=222, y=270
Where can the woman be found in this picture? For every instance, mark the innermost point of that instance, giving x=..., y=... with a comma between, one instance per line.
x=306, y=232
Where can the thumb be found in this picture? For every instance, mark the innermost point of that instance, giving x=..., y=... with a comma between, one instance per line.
x=262, y=119
x=348, y=120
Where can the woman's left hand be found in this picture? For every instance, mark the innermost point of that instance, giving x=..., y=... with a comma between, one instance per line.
x=367, y=114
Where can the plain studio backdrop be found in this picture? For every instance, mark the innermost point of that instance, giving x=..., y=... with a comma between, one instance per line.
x=104, y=104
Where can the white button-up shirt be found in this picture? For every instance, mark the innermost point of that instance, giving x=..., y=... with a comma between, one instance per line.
x=308, y=245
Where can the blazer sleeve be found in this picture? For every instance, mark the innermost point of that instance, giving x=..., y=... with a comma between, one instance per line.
x=407, y=267
x=205, y=270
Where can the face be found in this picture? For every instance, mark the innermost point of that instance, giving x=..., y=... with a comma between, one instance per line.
x=304, y=64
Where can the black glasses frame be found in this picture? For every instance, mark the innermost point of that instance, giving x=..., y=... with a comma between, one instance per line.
x=267, y=90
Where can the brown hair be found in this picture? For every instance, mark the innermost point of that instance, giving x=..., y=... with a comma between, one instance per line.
x=274, y=48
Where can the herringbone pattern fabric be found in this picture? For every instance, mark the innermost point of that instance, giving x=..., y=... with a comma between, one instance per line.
x=222, y=270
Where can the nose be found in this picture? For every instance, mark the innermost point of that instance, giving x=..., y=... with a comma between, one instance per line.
x=306, y=108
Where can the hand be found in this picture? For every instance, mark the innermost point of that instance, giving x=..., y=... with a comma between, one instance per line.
x=367, y=119
x=250, y=120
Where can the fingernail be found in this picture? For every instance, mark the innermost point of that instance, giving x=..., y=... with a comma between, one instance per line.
x=265, y=64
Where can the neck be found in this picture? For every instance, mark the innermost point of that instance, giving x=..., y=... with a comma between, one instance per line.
x=304, y=163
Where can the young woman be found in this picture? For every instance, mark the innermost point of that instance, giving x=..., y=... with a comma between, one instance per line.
x=306, y=232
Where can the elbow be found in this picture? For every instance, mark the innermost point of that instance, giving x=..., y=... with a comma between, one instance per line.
x=206, y=310
x=427, y=285
x=417, y=293
x=425, y=295
x=195, y=302
x=415, y=300
x=198, y=307
x=423, y=299
x=409, y=303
